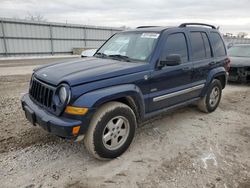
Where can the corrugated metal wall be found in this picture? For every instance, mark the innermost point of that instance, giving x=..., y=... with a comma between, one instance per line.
x=235, y=40
x=19, y=37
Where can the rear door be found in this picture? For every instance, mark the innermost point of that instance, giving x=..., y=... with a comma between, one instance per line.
x=201, y=54
x=219, y=49
x=169, y=84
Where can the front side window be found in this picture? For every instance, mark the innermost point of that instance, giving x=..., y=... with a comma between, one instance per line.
x=137, y=46
x=218, y=45
x=176, y=44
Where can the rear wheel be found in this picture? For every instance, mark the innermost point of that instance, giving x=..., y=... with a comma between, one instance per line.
x=210, y=102
x=111, y=131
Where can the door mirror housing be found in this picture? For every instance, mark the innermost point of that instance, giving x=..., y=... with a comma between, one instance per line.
x=171, y=60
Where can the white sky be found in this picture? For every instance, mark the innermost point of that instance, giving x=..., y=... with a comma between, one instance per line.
x=231, y=15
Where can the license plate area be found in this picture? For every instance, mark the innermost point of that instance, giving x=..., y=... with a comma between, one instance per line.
x=30, y=115
x=233, y=77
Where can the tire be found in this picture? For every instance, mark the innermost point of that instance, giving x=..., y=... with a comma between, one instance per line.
x=210, y=102
x=103, y=139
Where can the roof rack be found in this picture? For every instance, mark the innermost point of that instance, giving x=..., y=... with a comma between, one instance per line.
x=146, y=26
x=202, y=24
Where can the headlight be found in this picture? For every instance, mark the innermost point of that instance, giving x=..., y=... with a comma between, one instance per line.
x=62, y=96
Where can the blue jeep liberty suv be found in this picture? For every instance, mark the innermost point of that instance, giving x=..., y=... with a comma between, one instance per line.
x=133, y=76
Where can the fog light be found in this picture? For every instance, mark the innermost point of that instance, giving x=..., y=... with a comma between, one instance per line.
x=75, y=130
x=76, y=110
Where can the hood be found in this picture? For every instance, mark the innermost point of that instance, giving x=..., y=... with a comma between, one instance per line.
x=86, y=70
x=240, y=61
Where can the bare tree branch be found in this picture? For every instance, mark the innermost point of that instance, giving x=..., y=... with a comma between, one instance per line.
x=35, y=17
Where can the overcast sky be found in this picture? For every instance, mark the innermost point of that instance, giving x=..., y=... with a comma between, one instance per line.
x=231, y=15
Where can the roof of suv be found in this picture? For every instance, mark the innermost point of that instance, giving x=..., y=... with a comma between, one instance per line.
x=153, y=28
x=161, y=28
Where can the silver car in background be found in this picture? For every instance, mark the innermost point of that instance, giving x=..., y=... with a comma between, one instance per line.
x=240, y=63
x=88, y=53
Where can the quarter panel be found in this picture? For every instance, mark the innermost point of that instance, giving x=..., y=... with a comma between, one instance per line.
x=212, y=74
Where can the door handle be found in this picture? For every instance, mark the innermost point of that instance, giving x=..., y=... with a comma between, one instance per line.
x=186, y=68
x=212, y=63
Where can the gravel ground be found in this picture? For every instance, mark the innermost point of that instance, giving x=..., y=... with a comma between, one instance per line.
x=185, y=148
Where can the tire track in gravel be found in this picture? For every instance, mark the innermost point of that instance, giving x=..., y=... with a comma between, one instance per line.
x=168, y=151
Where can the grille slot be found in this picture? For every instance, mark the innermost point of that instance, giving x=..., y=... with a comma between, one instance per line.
x=41, y=93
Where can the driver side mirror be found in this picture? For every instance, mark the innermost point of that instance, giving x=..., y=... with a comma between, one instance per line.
x=171, y=60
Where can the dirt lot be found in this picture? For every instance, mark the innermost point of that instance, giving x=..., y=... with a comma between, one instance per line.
x=185, y=148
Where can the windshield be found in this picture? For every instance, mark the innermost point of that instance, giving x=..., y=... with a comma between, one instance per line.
x=133, y=46
x=239, y=51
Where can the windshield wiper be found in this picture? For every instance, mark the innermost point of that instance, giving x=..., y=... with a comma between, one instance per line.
x=119, y=56
x=115, y=56
x=100, y=54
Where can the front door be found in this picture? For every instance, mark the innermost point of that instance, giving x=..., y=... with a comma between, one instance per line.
x=171, y=84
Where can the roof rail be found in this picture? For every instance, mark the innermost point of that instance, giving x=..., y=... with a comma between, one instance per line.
x=146, y=26
x=202, y=24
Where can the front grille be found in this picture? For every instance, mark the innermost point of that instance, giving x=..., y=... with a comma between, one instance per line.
x=233, y=71
x=41, y=93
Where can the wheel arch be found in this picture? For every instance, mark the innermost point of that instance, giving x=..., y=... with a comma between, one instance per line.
x=222, y=78
x=128, y=94
x=217, y=73
x=131, y=102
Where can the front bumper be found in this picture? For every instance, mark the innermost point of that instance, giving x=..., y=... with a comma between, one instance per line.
x=239, y=74
x=59, y=126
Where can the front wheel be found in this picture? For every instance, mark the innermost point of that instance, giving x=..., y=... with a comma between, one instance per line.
x=111, y=131
x=210, y=102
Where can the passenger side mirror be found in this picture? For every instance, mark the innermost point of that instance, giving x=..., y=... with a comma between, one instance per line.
x=171, y=60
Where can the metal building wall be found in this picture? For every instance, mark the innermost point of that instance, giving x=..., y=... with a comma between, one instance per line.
x=235, y=40
x=21, y=37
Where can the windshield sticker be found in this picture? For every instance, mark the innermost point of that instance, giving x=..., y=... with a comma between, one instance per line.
x=150, y=35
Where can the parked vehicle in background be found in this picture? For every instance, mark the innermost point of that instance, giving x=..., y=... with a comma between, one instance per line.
x=88, y=53
x=240, y=66
x=134, y=76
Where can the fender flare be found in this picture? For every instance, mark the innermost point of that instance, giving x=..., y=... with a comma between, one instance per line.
x=219, y=71
x=96, y=98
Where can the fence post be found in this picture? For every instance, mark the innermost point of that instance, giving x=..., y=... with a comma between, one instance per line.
x=51, y=40
x=4, y=39
x=85, y=37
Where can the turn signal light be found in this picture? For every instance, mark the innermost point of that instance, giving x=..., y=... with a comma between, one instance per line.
x=75, y=130
x=76, y=110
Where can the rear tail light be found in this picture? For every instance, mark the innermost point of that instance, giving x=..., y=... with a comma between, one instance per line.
x=227, y=64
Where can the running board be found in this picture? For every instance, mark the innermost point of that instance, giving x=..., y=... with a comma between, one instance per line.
x=170, y=108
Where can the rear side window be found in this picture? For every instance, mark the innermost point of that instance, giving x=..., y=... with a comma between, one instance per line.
x=176, y=44
x=197, y=45
x=207, y=45
x=218, y=45
x=200, y=46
